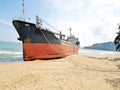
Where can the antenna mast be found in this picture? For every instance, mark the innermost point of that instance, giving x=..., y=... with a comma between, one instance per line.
x=23, y=11
x=70, y=31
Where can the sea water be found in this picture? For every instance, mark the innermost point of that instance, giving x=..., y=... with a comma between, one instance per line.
x=94, y=52
x=12, y=52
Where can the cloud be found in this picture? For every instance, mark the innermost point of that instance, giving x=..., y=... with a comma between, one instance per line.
x=103, y=9
x=98, y=3
x=5, y=22
x=95, y=23
x=105, y=17
x=66, y=5
x=117, y=12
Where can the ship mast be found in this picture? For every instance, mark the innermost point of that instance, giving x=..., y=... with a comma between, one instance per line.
x=70, y=31
x=23, y=10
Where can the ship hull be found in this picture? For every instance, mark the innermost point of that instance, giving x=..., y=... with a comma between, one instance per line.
x=39, y=43
x=47, y=51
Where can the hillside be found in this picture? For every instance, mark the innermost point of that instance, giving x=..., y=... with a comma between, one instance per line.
x=108, y=46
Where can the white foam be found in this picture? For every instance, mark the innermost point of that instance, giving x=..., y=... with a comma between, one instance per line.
x=10, y=52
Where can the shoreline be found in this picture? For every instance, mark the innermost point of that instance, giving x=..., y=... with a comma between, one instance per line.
x=75, y=72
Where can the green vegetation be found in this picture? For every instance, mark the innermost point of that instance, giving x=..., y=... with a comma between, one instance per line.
x=117, y=40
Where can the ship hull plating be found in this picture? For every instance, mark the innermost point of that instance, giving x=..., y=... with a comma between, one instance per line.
x=47, y=51
x=39, y=43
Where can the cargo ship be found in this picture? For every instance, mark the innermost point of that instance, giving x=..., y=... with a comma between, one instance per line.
x=42, y=43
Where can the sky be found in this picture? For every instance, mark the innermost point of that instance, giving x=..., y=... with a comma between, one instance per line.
x=92, y=21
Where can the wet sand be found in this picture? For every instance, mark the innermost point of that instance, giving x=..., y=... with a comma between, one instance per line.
x=75, y=72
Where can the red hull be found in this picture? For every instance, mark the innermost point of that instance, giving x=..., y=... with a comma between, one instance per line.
x=47, y=51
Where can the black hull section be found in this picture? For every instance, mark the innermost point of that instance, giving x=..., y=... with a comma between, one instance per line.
x=30, y=34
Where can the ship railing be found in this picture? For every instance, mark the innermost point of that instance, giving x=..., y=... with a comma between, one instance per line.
x=68, y=43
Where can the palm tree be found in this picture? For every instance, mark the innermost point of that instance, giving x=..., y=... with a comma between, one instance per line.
x=117, y=40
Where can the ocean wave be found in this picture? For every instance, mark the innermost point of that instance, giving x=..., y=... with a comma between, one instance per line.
x=10, y=52
x=9, y=56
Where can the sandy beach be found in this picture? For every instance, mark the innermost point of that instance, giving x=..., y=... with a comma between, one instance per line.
x=75, y=72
